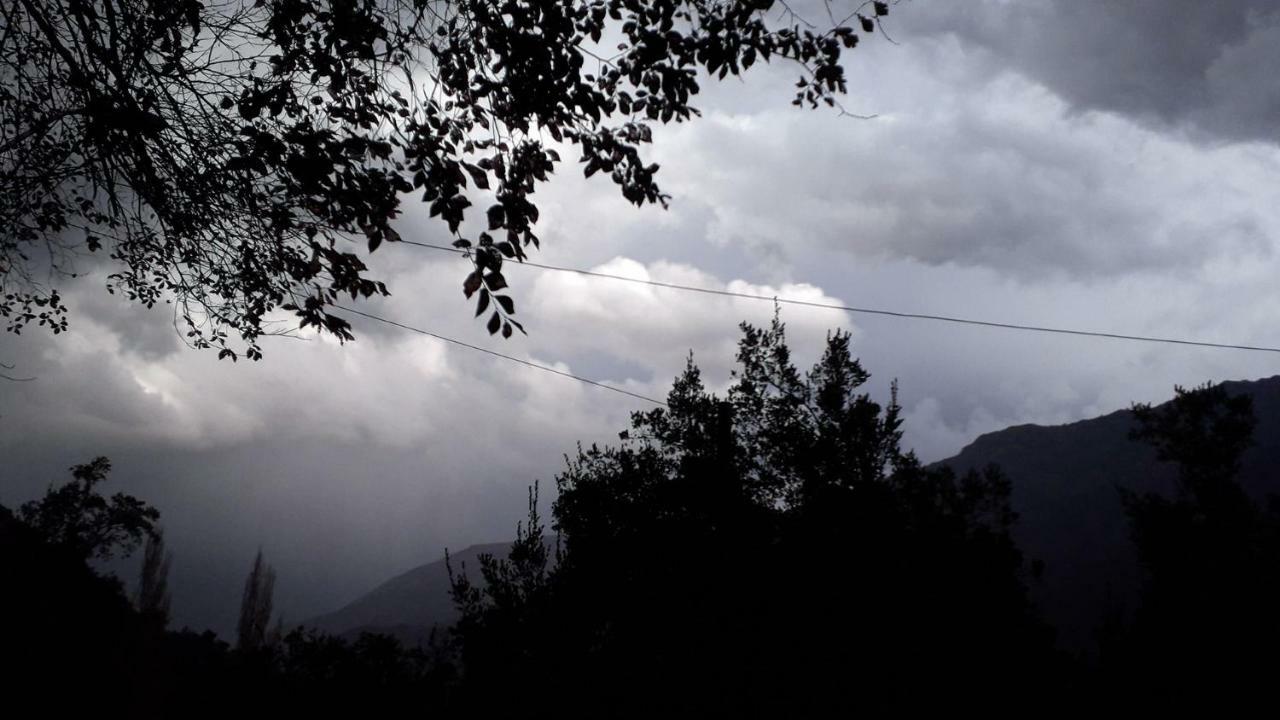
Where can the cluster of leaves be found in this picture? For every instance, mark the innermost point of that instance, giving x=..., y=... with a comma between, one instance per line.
x=76, y=517
x=772, y=552
x=229, y=155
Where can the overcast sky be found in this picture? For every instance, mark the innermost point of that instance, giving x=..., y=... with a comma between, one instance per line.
x=1095, y=165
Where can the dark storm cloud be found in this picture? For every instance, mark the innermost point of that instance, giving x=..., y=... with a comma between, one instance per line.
x=1206, y=67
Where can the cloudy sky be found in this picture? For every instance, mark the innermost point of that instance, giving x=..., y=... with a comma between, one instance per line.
x=1096, y=165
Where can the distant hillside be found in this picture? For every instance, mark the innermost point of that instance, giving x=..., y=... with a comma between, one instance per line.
x=1065, y=481
x=407, y=606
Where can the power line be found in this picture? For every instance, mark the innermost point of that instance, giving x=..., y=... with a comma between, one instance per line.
x=495, y=353
x=874, y=311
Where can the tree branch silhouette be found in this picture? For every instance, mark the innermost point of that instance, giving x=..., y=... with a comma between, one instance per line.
x=235, y=159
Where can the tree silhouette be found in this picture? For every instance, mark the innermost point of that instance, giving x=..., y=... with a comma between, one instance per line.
x=226, y=155
x=75, y=516
x=505, y=615
x=255, y=606
x=370, y=676
x=770, y=552
x=73, y=644
x=1205, y=635
x=68, y=630
x=152, y=599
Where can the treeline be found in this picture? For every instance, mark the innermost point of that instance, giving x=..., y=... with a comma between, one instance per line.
x=73, y=641
x=772, y=552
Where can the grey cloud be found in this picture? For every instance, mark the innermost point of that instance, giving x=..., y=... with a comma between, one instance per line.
x=153, y=338
x=1206, y=67
x=994, y=174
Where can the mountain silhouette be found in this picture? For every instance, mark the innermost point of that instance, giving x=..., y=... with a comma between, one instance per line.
x=409, y=605
x=1066, y=481
x=1065, y=491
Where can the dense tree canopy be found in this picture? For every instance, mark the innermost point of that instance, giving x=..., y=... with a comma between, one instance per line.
x=770, y=553
x=232, y=157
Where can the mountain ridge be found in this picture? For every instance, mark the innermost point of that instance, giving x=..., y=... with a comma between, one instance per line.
x=409, y=605
x=1066, y=481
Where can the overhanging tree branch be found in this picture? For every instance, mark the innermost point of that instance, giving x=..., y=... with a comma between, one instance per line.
x=226, y=154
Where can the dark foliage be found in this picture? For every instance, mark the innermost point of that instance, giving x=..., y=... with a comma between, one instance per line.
x=72, y=643
x=152, y=599
x=63, y=625
x=1206, y=633
x=373, y=676
x=773, y=552
x=232, y=157
x=256, y=602
x=87, y=524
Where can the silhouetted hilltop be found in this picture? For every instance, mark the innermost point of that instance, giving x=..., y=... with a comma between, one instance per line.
x=1065, y=481
x=407, y=606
